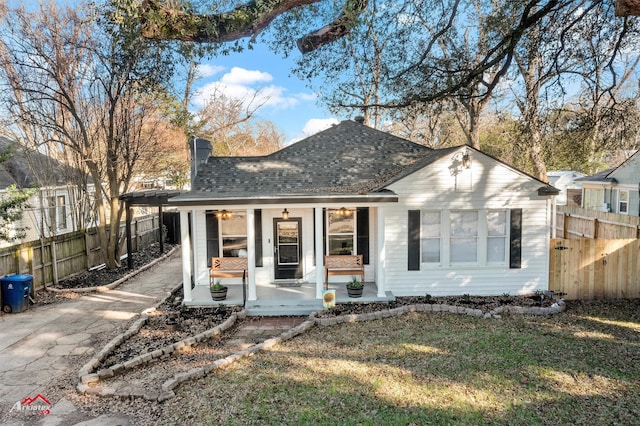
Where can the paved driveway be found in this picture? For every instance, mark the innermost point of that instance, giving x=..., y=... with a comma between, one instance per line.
x=40, y=345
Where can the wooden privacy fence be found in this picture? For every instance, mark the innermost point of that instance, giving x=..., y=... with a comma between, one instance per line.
x=52, y=259
x=574, y=222
x=586, y=269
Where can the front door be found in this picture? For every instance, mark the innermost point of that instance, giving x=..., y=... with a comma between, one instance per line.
x=288, y=248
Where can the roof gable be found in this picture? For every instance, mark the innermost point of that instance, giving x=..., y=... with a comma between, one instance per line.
x=628, y=171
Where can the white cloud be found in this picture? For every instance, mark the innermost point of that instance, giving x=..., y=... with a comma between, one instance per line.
x=243, y=77
x=314, y=126
x=206, y=70
x=248, y=85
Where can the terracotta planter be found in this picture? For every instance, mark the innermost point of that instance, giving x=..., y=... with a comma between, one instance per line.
x=219, y=294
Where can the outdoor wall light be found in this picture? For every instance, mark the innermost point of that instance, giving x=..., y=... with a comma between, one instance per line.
x=285, y=214
x=344, y=212
x=223, y=214
x=464, y=158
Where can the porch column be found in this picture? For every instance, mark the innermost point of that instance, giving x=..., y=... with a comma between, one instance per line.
x=194, y=247
x=380, y=280
x=251, y=254
x=317, y=211
x=186, y=254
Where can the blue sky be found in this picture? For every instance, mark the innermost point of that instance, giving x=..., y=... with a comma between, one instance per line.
x=291, y=105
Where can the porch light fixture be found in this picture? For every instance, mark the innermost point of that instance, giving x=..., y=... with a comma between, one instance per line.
x=285, y=214
x=344, y=212
x=223, y=214
x=466, y=159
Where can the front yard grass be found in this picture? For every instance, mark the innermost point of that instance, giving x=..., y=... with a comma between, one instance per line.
x=578, y=367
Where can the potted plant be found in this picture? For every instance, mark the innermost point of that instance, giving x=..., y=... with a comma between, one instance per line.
x=355, y=287
x=218, y=291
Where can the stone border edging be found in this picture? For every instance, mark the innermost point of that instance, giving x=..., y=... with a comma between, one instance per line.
x=556, y=308
x=196, y=373
x=120, y=338
x=89, y=381
x=108, y=287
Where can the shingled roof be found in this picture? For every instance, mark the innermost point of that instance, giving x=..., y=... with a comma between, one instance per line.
x=28, y=168
x=348, y=158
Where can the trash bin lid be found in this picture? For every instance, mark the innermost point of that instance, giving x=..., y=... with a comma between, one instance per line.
x=17, y=278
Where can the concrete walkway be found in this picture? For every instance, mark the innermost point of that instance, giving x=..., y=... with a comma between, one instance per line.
x=38, y=346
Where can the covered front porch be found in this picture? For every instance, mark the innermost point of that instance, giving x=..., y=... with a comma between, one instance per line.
x=275, y=299
x=284, y=250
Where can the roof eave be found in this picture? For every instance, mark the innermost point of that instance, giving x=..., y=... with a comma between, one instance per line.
x=195, y=200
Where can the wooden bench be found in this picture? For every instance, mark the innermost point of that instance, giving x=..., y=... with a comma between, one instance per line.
x=228, y=267
x=343, y=265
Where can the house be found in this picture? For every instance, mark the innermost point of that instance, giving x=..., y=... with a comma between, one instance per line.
x=441, y=222
x=614, y=190
x=55, y=207
x=565, y=182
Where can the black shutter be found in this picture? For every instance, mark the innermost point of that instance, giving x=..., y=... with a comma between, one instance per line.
x=213, y=237
x=413, y=243
x=515, y=239
x=362, y=232
x=257, y=220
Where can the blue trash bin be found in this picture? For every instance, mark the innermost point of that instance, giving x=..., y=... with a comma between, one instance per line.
x=15, y=292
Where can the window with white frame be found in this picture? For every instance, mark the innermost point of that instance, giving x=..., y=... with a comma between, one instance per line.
x=61, y=211
x=459, y=237
x=623, y=201
x=57, y=212
x=233, y=231
x=496, y=236
x=463, y=236
x=341, y=232
x=431, y=236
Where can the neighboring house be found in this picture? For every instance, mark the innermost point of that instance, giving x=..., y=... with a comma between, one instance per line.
x=451, y=221
x=51, y=209
x=614, y=190
x=565, y=182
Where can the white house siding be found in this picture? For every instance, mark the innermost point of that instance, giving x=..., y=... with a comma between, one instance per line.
x=37, y=225
x=628, y=177
x=495, y=186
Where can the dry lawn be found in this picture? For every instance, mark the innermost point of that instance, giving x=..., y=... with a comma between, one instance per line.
x=580, y=367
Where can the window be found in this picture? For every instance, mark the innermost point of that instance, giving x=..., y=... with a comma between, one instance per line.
x=480, y=237
x=341, y=232
x=623, y=202
x=234, y=235
x=61, y=212
x=430, y=237
x=464, y=236
x=496, y=236
x=57, y=212
x=52, y=213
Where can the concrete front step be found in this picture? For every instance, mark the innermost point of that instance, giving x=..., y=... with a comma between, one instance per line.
x=271, y=310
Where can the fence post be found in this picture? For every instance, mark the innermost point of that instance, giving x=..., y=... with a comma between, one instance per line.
x=54, y=261
x=595, y=228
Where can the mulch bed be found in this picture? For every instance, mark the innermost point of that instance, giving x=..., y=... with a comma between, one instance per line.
x=170, y=323
x=104, y=276
x=484, y=303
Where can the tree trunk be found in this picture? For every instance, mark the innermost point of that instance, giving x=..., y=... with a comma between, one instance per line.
x=627, y=7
